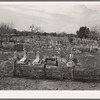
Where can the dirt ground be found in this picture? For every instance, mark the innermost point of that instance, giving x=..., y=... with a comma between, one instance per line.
x=9, y=83
x=12, y=83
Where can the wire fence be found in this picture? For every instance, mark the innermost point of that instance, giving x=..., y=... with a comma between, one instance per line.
x=49, y=72
x=55, y=72
x=87, y=75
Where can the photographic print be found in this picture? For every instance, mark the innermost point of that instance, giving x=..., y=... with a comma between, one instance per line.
x=50, y=45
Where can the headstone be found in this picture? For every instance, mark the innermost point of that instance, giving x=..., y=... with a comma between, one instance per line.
x=18, y=47
x=70, y=64
x=51, y=61
x=24, y=58
x=37, y=60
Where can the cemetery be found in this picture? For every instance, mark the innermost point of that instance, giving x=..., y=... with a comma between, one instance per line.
x=49, y=46
x=50, y=58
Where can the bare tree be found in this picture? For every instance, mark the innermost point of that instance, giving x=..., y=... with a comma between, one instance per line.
x=35, y=29
x=5, y=31
x=95, y=32
x=38, y=30
x=32, y=28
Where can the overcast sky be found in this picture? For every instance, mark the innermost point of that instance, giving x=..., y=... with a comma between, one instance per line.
x=50, y=16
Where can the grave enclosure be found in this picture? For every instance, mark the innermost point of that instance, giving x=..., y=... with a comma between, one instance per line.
x=51, y=69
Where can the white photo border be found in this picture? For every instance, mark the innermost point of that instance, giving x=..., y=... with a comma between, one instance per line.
x=44, y=94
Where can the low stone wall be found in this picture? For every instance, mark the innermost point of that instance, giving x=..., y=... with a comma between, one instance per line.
x=55, y=72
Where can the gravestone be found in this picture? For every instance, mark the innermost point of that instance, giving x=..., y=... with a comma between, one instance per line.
x=18, y=47
x=51, y=61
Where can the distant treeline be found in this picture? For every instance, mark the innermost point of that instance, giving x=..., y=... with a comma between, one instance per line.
x=8, y=33
x=28, y=33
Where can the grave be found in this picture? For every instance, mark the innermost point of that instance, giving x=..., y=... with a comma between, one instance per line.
x=18, y=47
x=51, y=61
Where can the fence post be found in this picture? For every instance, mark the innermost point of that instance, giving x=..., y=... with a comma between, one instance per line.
x=72, y=73
x=14, y=67
x=44, y=70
